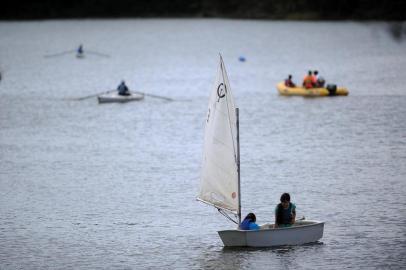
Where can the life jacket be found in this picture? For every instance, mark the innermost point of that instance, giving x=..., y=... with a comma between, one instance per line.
x=284, y=216
x=308, y=81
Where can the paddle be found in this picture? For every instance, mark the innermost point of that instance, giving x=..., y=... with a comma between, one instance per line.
x=94, y=95
x=142, y=93
x=98, y=54
x=154, y=96
x=59, y=54
x=71, y=51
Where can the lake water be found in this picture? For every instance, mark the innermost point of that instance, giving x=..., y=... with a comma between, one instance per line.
x=113, y=186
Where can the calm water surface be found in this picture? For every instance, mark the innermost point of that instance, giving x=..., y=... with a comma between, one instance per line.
x=113, y=186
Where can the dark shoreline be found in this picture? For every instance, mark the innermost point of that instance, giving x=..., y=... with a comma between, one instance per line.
x=358, y=10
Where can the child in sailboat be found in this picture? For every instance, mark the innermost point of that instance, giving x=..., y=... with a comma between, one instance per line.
x=285, y=212
x=249, y=222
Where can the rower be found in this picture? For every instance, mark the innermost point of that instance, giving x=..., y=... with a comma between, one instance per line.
x=123, y=89
x=80, y=49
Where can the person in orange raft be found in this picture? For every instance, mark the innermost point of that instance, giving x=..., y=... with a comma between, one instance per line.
x=289, y=82
x=308, y=80
x=315, y=78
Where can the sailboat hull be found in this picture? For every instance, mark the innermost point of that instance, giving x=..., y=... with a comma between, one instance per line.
x=302, y=232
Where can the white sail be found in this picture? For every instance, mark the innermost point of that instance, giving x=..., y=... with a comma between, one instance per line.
x=219, y=177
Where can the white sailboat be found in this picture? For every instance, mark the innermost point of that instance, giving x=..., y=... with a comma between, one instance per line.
x=220, y=177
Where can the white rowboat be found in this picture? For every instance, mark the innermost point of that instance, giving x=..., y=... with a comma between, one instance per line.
x=115, y=97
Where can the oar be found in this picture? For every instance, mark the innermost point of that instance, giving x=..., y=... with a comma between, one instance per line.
x=142, y=93
x=58, y=54
x=98, y=54
x=94, y=95
x=154, y=96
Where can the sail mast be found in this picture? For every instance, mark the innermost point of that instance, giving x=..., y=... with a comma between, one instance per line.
x=237, y=114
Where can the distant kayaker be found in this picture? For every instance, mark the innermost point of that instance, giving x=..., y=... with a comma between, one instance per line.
x=308, y=80
x=123, y=89
x=249, y=222
x=285, y=212
x=80, y=49
x=289, y=82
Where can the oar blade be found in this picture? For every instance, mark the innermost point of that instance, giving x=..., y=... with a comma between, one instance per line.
x=98, y=54
x=58, y=54
x=154, y=96
x=93, y=95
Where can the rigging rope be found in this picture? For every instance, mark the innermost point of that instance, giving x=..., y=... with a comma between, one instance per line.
x=227, y=216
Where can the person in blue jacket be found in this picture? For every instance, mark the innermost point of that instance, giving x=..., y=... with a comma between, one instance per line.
x=80, y=49
x=249, y=222
x=123, y=89
x=285, y=212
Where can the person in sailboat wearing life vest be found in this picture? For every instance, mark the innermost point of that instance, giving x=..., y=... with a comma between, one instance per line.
x=289, y=82
x=308, y=80
x=285, y=212
x=249, y=223
x=123, y=89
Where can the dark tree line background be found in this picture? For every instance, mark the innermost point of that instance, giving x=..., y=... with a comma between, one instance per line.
x=393, y=10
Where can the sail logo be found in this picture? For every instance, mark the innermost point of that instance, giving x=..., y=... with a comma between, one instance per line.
x=221, y=91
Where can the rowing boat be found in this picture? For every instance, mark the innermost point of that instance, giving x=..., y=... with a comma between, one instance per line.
x=115, y=97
